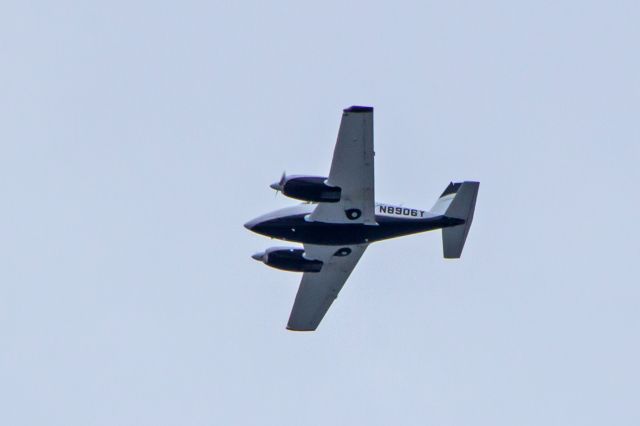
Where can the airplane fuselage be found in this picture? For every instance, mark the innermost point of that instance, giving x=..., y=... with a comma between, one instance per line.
x=293, y=224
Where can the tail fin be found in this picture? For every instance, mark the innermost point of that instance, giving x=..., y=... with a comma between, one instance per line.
x=457, y=201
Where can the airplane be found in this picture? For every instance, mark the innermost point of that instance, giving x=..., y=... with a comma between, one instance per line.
x=340, y=218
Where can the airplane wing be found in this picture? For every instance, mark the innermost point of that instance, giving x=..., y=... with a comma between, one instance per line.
x=318, y=290
x=352, y=171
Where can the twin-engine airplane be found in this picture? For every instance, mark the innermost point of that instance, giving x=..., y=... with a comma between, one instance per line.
x=341, y=218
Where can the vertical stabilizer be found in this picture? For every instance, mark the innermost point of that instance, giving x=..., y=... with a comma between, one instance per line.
x=458, y=201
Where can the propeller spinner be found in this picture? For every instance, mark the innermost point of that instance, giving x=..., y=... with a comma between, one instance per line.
x=280, y=184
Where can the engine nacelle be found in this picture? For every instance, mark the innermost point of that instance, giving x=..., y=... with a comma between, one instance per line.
x=288, y=259
x=308, y=188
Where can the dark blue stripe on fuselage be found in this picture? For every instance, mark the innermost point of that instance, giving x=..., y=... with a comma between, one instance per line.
x=295, y=228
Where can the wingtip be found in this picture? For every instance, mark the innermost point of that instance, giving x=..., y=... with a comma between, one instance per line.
x=358, y=108
x=289, y=328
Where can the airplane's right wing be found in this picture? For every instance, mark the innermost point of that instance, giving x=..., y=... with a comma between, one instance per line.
x=318, y=290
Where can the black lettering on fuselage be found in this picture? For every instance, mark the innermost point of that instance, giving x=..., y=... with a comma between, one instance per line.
x=401, y=211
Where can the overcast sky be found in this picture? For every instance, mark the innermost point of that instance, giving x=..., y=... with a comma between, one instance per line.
x=137, y=138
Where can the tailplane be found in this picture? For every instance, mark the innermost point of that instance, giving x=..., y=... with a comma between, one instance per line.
x=458, y=201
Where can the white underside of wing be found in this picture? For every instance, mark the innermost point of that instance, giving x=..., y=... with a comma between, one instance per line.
x=352, y=169
x=318, y=290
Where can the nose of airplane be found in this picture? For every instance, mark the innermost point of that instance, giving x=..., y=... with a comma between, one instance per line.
x=258, y=256
x=276, y=186
x=249, y=225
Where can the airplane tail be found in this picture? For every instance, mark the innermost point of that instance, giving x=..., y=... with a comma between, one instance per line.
x=457, y=201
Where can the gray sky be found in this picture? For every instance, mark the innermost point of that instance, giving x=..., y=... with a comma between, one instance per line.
x=137, y=138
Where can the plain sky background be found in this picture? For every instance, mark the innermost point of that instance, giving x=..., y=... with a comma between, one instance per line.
x=137, y=137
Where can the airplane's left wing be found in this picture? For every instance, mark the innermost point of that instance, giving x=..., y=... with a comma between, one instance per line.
x=352, y=170
x=318, y=290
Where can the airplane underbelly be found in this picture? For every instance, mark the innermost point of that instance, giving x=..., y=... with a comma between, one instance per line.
x=330, y=234
x=302, y=231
